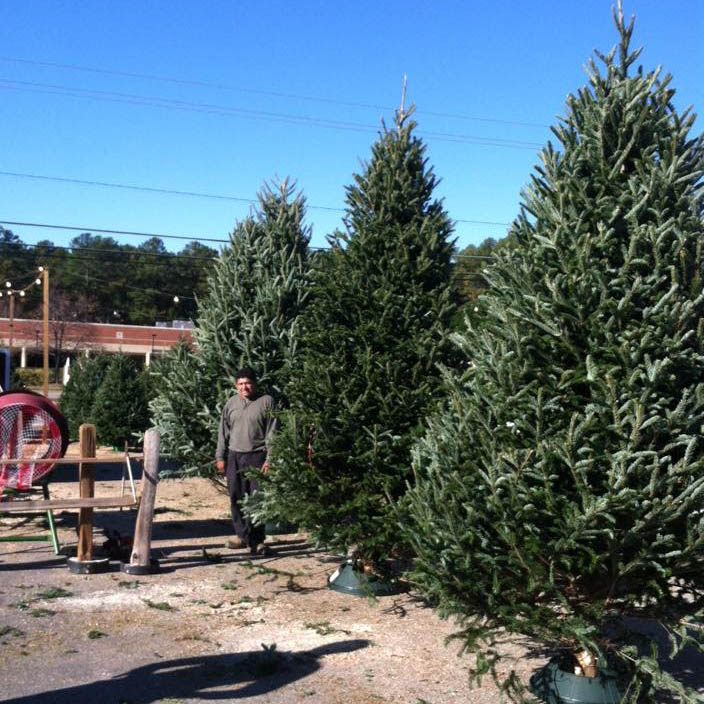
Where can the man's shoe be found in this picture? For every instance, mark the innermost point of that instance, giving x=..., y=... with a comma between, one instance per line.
x=261, y=549
x=236, y=543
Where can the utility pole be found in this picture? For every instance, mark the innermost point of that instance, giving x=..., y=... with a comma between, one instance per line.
x=12, y=319
x=45, y=279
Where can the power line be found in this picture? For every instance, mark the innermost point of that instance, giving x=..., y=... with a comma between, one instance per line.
x=469, y=277
x=138, y=288
x=106, y=231
x=155, y=101
x=170, y=103
x=149, y=189
x=121, y=284
x=80, y=252
x=199, y=268
x=471, y=256
x=84, y=253
x=252, y=91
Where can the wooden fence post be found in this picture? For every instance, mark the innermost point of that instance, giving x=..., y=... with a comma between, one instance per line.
x=86, y=478
x=84, y=563
x=140, y=560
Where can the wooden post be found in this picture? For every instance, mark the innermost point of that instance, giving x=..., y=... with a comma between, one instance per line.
x=86, y=478
x=141, y=548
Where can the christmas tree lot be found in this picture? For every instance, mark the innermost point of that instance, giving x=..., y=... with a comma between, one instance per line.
x=560, y=493
x=78, y=397
x=373, y=337
x=120, y=410
x=249, y=317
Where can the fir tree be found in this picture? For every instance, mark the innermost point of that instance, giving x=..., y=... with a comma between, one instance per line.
x=120, y=409
x=373, y=336
x=78, y=395
x=248, y=317
x=561, y=491
x=182, y=407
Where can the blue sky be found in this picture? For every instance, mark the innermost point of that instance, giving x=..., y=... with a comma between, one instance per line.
x=264, y=90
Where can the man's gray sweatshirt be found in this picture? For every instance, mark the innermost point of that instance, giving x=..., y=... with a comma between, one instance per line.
x=245, y=425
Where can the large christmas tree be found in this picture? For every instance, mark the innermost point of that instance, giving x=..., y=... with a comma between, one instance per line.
x=248, y=317
x=373, y=337
x=560, y=494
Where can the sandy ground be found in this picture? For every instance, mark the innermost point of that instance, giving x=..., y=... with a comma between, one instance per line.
x=214, y=624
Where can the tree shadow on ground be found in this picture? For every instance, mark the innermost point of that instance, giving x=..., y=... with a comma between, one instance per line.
x=170, y=562
x=56, y=562
x=174, y=558
x=210, y=677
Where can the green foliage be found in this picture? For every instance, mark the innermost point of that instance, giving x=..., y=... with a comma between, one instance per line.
x=41, y=613
x=372, y=336
x=139, y=288
x=10, y=631
x=159, y=605
x=120, y=410
x=23, y=378
x=469, y=281
x=78, y=396
x=247, y=317
x=181, y=407
x=53, y=593
x=13, y=255
x=560, y=492
x=469, y=264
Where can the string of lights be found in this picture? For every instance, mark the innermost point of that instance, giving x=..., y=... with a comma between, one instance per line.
x=11, y=290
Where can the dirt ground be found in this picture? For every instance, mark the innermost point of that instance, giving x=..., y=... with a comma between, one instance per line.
x=214, y=624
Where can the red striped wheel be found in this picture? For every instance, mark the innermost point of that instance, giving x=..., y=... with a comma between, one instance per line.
x=31, y=428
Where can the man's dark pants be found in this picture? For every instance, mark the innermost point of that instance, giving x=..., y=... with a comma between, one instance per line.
x=238, y=486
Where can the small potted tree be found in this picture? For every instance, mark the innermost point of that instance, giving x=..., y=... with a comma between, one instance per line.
x=560, y=494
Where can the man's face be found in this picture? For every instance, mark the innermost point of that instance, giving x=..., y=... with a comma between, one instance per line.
x=245, y=387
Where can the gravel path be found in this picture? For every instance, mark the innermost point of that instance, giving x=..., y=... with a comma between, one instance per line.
x=214, y=624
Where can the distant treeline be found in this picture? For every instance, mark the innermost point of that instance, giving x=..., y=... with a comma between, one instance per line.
x=98, y=279
x=470, y=264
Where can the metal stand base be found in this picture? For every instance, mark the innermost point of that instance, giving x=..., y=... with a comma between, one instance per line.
x=347, y=580
x=556, y=686
x=280, y=528
x=88, y=566
x=151, y=568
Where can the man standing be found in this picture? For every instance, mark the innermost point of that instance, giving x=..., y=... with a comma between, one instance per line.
x=246, y=428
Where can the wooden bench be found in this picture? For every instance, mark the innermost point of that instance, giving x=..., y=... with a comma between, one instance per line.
x=86, y=501
x=64, y=504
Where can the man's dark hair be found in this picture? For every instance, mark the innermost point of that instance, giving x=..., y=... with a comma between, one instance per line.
x=246, y=373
